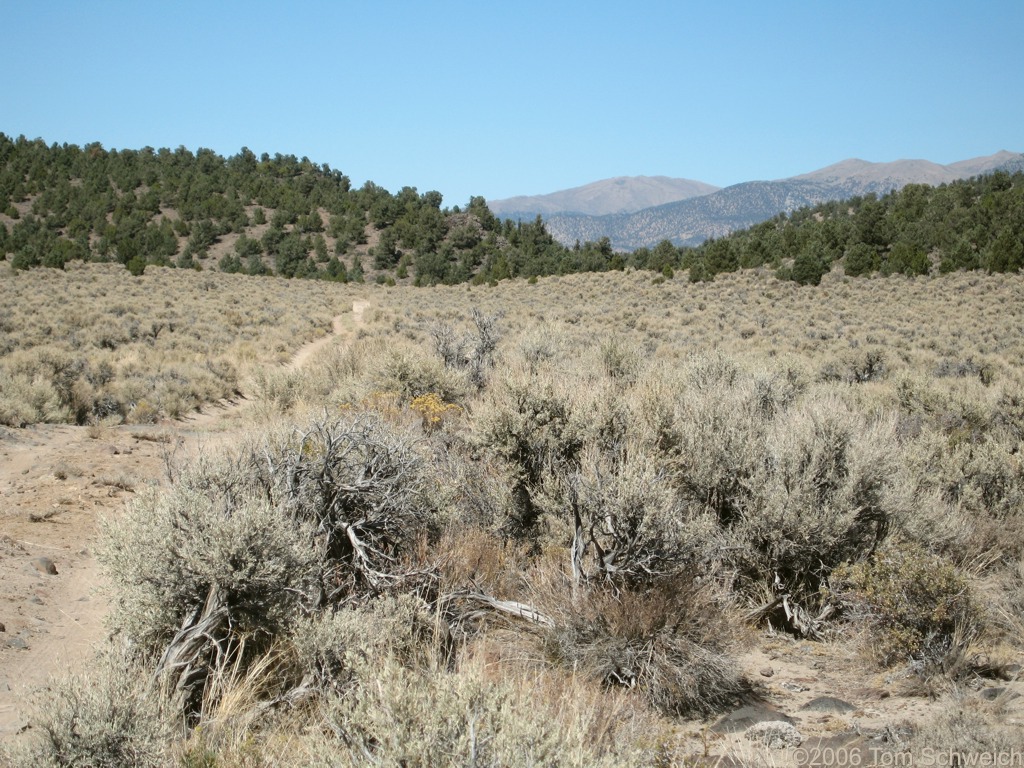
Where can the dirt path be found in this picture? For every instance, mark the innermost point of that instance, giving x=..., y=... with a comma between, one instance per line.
x=56, y=483
x=315, y=347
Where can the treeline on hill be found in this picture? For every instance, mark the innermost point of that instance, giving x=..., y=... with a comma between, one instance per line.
x=258, y=215
x=291, y=217
x=972, y=224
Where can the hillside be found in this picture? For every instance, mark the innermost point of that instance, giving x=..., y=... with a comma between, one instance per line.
x=277, y=215
x=623, y=194
x=691, y=221
x=289, y=217
x=970, y=224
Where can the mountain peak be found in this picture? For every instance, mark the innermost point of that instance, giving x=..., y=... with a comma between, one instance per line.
x=898, y=173
x=621, y=194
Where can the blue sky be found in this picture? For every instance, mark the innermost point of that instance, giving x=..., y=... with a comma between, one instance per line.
x=499, y=99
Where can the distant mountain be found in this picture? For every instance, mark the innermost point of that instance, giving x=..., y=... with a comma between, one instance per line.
x=882, y=177
x=694, y=220
x=624, y=194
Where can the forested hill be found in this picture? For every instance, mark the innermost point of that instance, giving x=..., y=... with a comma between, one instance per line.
x=291, y=217
x=261, y=215
x=972, y=224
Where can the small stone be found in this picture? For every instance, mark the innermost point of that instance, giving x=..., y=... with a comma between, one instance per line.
x=828, y=704
x=775, y=734
x=2, y=627
x=767, y=672
x=45, y=565
x=743, y=717
x=1009, y=671
x=991, y=694
x=17, y=643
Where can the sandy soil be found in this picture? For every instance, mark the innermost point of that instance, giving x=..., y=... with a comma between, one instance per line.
x=846, y=711
x=57, y=482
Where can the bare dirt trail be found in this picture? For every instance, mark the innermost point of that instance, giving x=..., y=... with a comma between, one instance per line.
x=56, y=483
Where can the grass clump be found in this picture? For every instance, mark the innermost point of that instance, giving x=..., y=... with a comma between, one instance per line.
x=668, y=641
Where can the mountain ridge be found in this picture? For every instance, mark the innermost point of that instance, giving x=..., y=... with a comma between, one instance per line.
x=620, y=194
x=693, y=220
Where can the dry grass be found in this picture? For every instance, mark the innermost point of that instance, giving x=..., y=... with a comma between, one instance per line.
x=89, y=344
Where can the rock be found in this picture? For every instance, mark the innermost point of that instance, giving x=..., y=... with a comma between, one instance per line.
x=2, y=627
x=18, y=643
x=767, y=672
x=991, y=694
x=986, y=668
x=775, y=734
x=897, y=735
x=1009, y=671
x=743, y=718
x=45, y=565
x=828, y=704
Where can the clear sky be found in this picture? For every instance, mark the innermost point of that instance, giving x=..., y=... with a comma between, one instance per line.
x=500, y=99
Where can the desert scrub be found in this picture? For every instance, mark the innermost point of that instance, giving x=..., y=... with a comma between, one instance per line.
x=411, y=373
x=825, y=494
x=433, y=410
x=90, y=342
x=214, y=571
x=529, y=423
x=171, y=550
x=671, y=641
x=401, y=716
x=918, y=606
x=797, y=480
x=112, y=716
x=331, y=650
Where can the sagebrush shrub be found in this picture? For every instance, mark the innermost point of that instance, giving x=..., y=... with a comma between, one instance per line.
x=824, y=494
x=412, y=374
x=168, y=551
x=111, y=717
x=225, y=562
x=629, y=525
x=529, y=423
